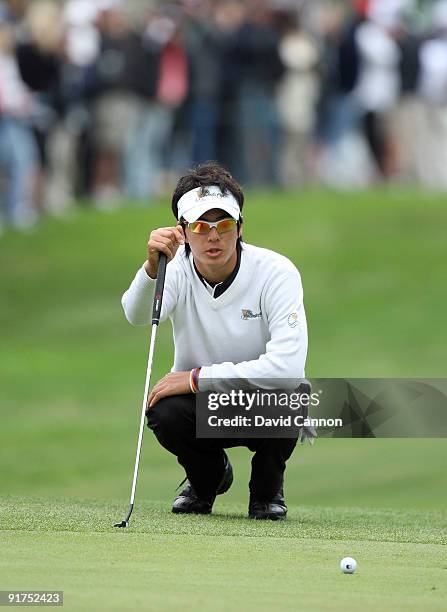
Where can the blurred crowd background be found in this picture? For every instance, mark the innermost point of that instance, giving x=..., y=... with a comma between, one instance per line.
x=105, y=101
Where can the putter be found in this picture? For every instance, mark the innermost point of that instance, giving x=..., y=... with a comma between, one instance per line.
x=156, y=310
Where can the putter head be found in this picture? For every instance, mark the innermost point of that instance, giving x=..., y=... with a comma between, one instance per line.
x=125, y=522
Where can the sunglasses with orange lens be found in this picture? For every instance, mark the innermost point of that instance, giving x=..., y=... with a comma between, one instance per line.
x=204, y=227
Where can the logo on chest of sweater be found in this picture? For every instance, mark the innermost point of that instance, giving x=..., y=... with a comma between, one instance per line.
x=249, y=314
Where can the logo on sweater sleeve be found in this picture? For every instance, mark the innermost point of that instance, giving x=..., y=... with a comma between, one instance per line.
x=292, y=319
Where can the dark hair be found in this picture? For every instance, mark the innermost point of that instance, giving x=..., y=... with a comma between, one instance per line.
x=205, y=175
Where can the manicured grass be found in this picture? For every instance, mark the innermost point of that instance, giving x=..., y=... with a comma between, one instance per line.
x=224, y=561
x=71, y=380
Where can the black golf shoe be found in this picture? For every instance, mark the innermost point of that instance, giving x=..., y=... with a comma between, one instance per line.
x=188, y=502
x=274, y=510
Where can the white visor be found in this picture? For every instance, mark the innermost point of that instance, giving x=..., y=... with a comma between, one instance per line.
x=194, y=203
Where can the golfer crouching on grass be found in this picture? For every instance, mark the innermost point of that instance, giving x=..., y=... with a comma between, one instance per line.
x=237, y=313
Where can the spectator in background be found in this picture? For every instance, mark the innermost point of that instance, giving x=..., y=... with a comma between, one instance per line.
x=205, y=49
x=342, y=158
x=155, y=139
x=259, y=67
x=296, y=99
x=229, y=16
x=69, y=158
x=39, y=54
x=432, y=158
x=122, y=80
x=378, y=86
x=406, y=114
x=18, y=149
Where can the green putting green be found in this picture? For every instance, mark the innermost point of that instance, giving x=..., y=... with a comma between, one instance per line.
x=224, y=561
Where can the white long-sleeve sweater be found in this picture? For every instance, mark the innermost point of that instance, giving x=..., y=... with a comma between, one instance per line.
x=255, y=331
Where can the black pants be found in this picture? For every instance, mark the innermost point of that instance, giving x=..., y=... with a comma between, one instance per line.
x=173, y=420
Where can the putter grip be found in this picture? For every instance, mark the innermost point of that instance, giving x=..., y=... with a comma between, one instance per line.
x=158, y=297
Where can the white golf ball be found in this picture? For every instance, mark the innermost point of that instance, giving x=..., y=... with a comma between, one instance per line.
x=348, y=565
